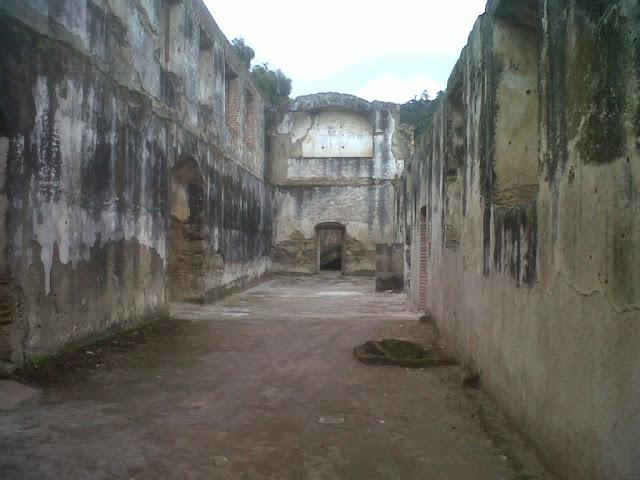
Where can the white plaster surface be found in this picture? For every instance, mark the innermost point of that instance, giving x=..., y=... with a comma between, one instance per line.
x=329, y=168
x=333, y=133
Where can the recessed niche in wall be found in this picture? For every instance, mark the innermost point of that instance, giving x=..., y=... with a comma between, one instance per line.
x=171, y=11
x=454, y=161
x=250, y=119
x=206, y=85
x=231, y=99
x=186, y=233
x=332, y=133
x=517, y=51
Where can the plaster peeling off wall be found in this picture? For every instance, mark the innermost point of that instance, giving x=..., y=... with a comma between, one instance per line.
x=59, y=222
x=99, y=101
x=332, y=133
x=67, y=231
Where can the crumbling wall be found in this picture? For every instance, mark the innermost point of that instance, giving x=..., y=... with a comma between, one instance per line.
x=98, y=102
x=334, y=159
x=530, y=184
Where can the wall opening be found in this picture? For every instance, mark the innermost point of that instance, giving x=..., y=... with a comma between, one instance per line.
x=231, y=100
x=454, y=160
x=330, y=247
x=250, y=123
x=424, y=252
x=169, y=31
x=186, y=237
x=206, y=85
x=517, y=45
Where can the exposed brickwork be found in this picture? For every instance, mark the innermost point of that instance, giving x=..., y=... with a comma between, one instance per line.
x=232, y=102
x=251, y=120
x=424, y=252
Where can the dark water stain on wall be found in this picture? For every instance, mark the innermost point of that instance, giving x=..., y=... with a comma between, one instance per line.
x=515, y=242
x=246, y=216
x=598, y=81
x=103, y=263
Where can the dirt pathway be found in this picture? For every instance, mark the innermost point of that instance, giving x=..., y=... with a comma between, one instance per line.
x=263, y=385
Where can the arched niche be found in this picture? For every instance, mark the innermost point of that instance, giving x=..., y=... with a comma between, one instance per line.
x=186, y=239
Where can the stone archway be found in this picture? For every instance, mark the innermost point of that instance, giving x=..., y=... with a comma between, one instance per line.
x=330, y=247
x=186, y=237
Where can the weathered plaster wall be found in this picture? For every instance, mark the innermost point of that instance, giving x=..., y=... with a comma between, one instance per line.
x=531, y=182
x=331, y=134
x=334, y=158
x=366, y=212
x=390, y=267
x=99, y=101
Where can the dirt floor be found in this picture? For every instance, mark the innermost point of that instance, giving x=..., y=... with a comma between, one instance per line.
x=262, y=385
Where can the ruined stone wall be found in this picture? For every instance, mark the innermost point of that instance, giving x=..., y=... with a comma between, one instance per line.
x=334, y=159
x=101, y=105
x=530, y=184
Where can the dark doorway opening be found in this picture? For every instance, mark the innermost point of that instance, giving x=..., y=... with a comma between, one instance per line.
x=333, y=265
x=330, y=239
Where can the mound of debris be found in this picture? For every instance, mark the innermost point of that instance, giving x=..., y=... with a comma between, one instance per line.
x=402, y=353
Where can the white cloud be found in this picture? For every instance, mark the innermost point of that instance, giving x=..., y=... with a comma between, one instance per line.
x=311, y=41
x=398, y=89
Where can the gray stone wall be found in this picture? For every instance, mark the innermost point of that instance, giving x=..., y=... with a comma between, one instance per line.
x=101, y=104
x=390, y=267
x=334, y=159
x=530, y=184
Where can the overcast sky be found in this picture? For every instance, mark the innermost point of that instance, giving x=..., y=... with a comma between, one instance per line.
x=387, y=50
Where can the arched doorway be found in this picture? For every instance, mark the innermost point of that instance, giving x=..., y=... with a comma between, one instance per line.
x=186, y=239
x=329, y=241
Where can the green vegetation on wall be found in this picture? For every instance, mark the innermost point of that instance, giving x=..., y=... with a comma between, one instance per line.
x=274, y=84
x=245, y=52
x=419, y=111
